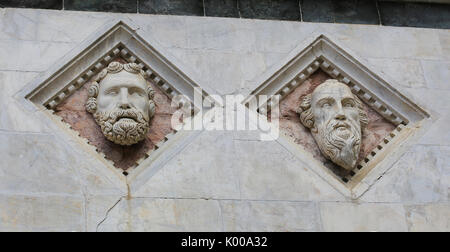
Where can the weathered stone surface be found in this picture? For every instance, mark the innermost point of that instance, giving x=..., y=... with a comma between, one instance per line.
x=444, y=39
x=169, y=31
x=268, y=172
x=73, y=111
x=268, y=34
x=164, y=215
x=13, y=81
x=47, y=4
x=351, y=217
x=389, y=42
x=428, y=218
x=37, y=25
x=437, y=74
x=172, y=7
x=13, y=117
x=90, y=171
x=436, y=100
x=225, y=80
x=422, y=175
x=210, y=66
x=406, y=72
x=415, y=14
x=220, y=34
x=268, y=9
x=221, y=8
x=346, y=11
x=101, y=5
x=241, y=167
x=36, y=163
x=211, y=161
x=291, y=126
x=420, y=44
x=266, y=216
x=98, y=208
x=31, y=55
x=317, y=11
x=41, y=214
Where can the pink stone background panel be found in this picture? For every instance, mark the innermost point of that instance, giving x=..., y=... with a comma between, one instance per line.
x=291, y=126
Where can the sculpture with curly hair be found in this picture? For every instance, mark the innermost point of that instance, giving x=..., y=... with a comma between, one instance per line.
x=122, y=103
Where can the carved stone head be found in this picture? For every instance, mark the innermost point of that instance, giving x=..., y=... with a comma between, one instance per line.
x=336, y=118
x=122, y=103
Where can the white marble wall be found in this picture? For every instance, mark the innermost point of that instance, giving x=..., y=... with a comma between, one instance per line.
x=223, y=181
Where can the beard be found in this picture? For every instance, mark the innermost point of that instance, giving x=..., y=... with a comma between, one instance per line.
x=340, y=142
x=124, y=127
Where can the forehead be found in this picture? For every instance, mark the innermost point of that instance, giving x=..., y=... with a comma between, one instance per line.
x=123, y=79
x=334, y=90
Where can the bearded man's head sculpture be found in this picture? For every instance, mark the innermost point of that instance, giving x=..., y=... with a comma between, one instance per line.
x=122, y=103
x=336, y=119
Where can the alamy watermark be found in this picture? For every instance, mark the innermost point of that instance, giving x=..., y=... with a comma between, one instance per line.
x=229, y=113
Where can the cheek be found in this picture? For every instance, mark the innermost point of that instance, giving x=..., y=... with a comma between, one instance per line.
x=105, y=102
x=321, y=116
x=353, y=114
x=141, y=103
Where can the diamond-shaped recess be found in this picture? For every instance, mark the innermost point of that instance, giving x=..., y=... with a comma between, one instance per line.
x=115, y=41
x=321, y=56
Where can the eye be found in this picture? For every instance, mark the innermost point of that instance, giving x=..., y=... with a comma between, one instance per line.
x=326, y=105
x=112, y=92
x=137, y=92
x=349, y=104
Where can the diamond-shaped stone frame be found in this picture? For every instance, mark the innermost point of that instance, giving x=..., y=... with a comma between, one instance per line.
x=115, y=39
x=321, y=52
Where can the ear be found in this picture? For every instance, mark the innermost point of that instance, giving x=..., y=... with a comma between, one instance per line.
x=152, y=109
x=91, y=105
x=93, y=89
x=150, y=92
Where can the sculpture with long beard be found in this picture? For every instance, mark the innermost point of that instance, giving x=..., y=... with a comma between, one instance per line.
x=124, y=127
x=336, y=118
x=340, y=142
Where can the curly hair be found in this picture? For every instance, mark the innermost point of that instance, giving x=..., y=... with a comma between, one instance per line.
x=307, y=116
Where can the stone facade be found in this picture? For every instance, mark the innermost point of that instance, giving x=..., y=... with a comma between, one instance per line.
x=220, y=180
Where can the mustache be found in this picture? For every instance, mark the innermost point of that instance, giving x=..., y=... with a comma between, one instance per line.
x=335, y=138
x=334, y=124
x=118, y=114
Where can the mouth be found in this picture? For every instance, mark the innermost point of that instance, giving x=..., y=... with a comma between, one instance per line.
x=341, y=126
x=126, y=118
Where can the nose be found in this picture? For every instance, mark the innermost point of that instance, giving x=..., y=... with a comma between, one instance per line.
x=124, y=102
x=340, y=115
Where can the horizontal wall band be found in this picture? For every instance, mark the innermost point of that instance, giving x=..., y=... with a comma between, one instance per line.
x=411, y=13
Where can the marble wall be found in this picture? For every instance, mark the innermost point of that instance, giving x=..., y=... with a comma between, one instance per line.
x=223, y=180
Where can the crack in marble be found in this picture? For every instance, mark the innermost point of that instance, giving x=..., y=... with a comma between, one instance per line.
x=107, y=214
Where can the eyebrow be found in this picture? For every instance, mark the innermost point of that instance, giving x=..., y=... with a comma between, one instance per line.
x=137, y=88
x=327, y=98
x=125, y=86
x=348, y=98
